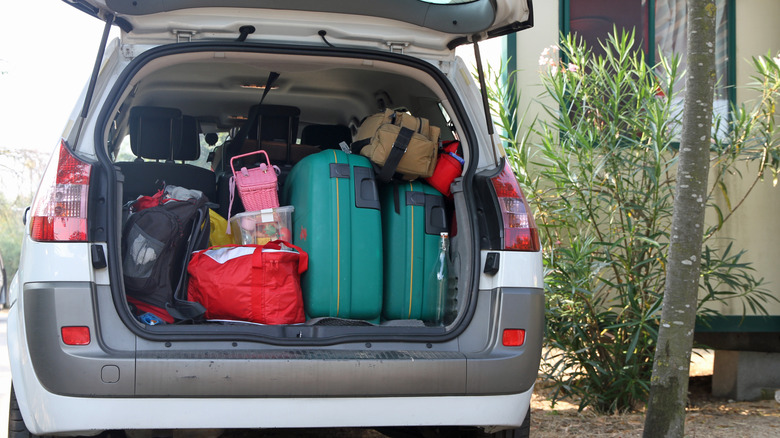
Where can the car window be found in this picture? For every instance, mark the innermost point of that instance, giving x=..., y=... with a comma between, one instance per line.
x=125, y=153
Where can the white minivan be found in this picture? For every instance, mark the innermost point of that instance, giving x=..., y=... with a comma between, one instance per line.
x=82, y=361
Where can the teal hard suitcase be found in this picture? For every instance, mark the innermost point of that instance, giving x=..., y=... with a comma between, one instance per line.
x=413, y=217
x=338, y=223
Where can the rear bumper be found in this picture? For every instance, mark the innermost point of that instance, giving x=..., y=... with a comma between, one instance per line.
x=45, y=412
x=225, y=384
x=53, y=413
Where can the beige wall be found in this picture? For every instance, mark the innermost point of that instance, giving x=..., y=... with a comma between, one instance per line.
x=530, y=44
x=757, y=34
x=756, y=224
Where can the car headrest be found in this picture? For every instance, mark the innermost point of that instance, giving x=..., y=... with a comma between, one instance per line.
x=326, y=136
x=189, y=149
x=277, y=123
x=155, y=132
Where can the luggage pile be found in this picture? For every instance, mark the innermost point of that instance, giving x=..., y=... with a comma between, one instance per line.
x=372, y=229
x=257, y=279
x=361, y=233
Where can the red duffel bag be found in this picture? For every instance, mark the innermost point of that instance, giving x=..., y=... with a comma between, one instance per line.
x=256, y=283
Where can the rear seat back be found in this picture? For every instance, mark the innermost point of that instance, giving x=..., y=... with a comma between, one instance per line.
x=155, y=133
x=275, y=123
x=164, y=134
x=189, y=148
x=275, y=130
x=326, y=136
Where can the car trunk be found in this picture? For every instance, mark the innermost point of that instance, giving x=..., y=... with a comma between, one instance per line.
x=213, y=88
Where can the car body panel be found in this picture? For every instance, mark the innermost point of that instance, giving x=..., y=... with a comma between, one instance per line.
x=414, y=25
x=73, y=262
x=45, y=411
x=133, y=376
x=531, y=276
x=229, y=368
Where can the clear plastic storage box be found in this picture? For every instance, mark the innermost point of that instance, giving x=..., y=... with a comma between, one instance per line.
x=263, y=226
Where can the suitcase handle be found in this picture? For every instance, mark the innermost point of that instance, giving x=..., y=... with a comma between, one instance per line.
x=268, y=160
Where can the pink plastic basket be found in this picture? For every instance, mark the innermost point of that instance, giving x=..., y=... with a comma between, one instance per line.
x=257, y=187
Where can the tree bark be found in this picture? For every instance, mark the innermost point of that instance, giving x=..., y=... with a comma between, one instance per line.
x=669, y=383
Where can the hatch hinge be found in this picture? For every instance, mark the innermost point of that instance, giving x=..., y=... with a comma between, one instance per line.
x=445, y=67
x=183, y=36
x=397, y=46
x=128, y=51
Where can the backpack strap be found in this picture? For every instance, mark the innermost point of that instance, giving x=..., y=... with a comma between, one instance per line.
x=185, y=311
x=360, y=144
x=181, y=309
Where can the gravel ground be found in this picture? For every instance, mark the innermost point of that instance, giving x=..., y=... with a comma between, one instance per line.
x=707, y=416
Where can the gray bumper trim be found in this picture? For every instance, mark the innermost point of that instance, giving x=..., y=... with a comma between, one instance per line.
x=243, y=369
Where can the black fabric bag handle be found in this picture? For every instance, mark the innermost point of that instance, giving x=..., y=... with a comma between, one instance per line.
x=180, y=308
x=396, y=153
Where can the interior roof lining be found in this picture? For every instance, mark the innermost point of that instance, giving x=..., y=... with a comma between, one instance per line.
x=256, y=66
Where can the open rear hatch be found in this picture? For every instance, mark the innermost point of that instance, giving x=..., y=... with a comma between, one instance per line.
x=207, y=88
x=418, y=26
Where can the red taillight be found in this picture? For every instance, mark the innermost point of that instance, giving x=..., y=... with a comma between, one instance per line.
x=519, y=228
x=513, y=337
x=76, y=335
x=59, y=211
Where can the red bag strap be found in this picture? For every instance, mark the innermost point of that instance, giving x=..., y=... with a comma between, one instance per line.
x=303, y=258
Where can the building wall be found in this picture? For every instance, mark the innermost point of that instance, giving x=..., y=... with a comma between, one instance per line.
x=754, y=226
x=757, y=34
x=530, y=44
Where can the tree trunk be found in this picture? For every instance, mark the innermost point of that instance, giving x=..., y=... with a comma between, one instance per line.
x=669, y=383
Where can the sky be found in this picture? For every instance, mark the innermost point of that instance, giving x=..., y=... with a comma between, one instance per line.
x=47, y=50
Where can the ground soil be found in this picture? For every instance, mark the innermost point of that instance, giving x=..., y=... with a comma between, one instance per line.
x=707, y=416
